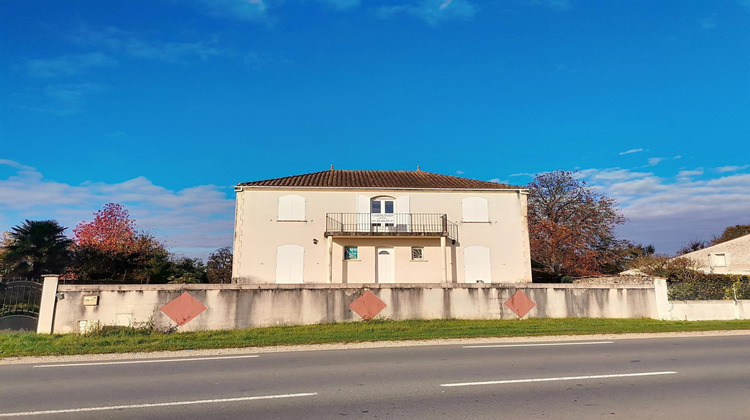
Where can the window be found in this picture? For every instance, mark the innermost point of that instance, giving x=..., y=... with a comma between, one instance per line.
x=718, y=260
x=351, y=253
x=382, y=217
x=292, y=207
x=474, y=209
x=417, y=253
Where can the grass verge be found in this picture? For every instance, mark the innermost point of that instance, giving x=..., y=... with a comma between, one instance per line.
x=144, y=339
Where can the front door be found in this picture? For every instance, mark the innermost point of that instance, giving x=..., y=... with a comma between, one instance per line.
x=385, y=267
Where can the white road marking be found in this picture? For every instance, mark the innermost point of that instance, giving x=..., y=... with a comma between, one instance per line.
x=563, y=378
x=136, y=362
x=166, y=404
x=537, y=344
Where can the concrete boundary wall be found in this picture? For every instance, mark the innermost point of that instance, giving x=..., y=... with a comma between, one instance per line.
x=74, y=308
x=697, y=310
x=247, y=306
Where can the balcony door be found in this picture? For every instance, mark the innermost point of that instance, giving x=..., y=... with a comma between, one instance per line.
x=382, y=215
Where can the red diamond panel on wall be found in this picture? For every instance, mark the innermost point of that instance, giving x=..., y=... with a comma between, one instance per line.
x=183, y=308
x=520, y=304
x=368, y=305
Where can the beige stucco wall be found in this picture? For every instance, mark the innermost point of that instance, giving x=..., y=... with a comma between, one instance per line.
x=258, y=234
x=737, y=252
x=247, y=306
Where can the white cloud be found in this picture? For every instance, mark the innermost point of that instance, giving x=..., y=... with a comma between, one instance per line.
x=612, y=174
x=670, y=211
x=627, y=152
x=432, y=11
x=526, y=174
x=724, y=169
x=654, y=161
x=131, y=45
x=68, y=65
x=689, y=173
x=197, y=219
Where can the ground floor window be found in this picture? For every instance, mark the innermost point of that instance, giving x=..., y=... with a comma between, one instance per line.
x=350, y=253
x=417, y=253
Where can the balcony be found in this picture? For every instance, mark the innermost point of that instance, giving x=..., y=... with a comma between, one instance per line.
x=390, y=224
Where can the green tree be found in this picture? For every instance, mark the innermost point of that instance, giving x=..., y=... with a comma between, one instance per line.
x=219, y=266
x=187, y=271
x=571, y=226
x=35, y=248
x=732, y=232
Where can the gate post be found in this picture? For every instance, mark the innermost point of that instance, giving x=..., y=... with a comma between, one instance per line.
x=48, y=303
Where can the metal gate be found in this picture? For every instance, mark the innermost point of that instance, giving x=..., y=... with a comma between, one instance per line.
x=19, y=305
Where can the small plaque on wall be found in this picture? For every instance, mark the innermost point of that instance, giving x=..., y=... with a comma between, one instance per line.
x=90, y=300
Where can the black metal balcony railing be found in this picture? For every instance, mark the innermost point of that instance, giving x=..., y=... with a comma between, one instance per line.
x=390, y=224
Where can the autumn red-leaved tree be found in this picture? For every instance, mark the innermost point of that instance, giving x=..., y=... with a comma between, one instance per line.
x=109, y=248
x=571, y=226
x=112, y=230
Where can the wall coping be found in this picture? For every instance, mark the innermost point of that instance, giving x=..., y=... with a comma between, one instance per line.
x=339, y=286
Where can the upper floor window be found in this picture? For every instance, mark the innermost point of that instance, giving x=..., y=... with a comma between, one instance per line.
x=382, y=205
x=291, y=207
x=382, y=213
x=474, y=209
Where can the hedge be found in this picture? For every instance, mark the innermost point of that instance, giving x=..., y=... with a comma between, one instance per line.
x=699, y=286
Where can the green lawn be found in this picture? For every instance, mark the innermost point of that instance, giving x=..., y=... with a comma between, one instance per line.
x=141, y=340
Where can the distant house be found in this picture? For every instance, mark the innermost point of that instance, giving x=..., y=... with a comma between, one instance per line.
x=356, y=226
x=730, y=257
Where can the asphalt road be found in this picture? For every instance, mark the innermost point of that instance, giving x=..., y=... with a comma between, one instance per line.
x=685, y=378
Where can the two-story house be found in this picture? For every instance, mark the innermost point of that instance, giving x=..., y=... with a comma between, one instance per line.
x=351, y=226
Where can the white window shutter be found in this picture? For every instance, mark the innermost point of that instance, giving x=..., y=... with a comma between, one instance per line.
x=477, y=264
x=403, y=220
x=291, y=207
x=474, y=209
x=290, y=264
x=363, y=213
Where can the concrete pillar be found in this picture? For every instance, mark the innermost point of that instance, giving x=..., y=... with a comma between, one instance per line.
x=48, y=304
x=662, y=299
x=445, y=262
x=329, y=258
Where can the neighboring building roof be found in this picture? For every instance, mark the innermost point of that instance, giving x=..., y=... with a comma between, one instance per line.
x=336, y=178
x=736, y=256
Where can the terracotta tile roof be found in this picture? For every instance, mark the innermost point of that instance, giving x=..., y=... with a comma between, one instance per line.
x=336, y=178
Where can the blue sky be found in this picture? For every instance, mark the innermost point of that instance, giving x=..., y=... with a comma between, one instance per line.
x=164, y=105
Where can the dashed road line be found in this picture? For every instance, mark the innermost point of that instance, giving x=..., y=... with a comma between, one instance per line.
x=151, y=405
x=562, y=378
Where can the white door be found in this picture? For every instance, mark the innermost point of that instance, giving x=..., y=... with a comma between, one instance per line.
x=386, y=267
x=477, y=265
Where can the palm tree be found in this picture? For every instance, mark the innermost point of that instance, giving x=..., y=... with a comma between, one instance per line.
x=37, y=247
